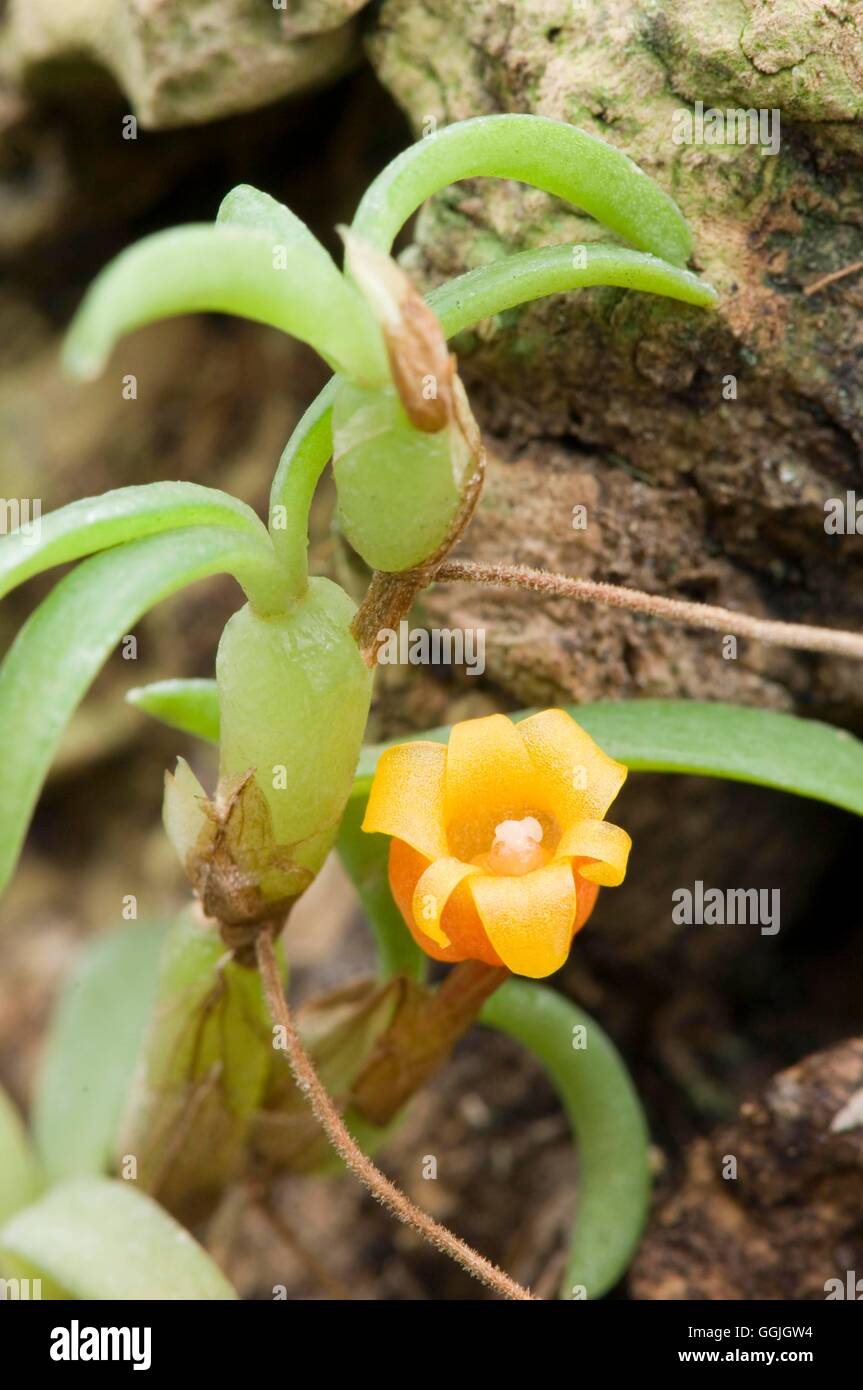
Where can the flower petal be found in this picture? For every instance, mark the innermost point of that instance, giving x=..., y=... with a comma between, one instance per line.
x=601, y=841
x=489, y=778
x=573, y=772
x=529, y=919
x=407, y=797
x=433, y=892
x=585, y=899
x=461, y=921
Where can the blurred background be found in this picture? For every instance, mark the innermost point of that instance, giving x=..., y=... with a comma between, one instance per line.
x=602, y=399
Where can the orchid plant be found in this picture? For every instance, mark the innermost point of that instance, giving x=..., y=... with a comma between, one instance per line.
x=483, y=846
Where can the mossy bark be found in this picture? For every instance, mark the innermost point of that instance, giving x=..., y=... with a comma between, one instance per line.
x=703, y=445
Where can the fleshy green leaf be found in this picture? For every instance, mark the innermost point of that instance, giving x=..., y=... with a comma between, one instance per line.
x=231, y=269
x=551, y=155
x=63, y=644
x=20, y=1176
x=708, y=739
x=608, y=1122
x=126, y=513
x=91, y=1050
x=189, y=705
x=246, y=206
x=96, y=1238
x=303, y=460
x=502, y=284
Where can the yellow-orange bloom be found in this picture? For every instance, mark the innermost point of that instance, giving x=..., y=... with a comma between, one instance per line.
x=499, y=845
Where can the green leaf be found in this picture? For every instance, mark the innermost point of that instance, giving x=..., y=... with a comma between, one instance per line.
x=247, y=206
x=303, y=460
x=93, y=1043
x=20, y=1176
x=59, y=650
x=96, y=1238
x=126, y=513
x=608, y=1122
x=192, y=706
x=552, y=155
x=707, y=739
x=502, y=284
x=232, y=269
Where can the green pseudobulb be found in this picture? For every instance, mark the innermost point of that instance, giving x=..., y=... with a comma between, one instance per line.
x=294, y=697
x=399, y=488
x=201, y=1073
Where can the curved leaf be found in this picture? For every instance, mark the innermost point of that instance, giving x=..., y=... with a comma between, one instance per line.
x=708, y=739
x=303, y=460
x=20, y=1176
x=528, y=275
x=247, y=206
x=192, y=706
x=234, y=270
x=92, y=1047
x=458, y=304
x=125, y=513
x=63, y=644
x=96, y=1238
x=608, y=1121
x=552, y=155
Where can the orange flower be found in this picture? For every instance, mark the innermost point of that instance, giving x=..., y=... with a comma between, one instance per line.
x=499, y=844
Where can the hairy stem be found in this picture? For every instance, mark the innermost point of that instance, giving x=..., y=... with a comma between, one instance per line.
x=331, y=1122
x=675, y=610
x=834, y=275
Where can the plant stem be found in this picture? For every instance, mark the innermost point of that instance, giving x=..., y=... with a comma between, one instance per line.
x=799, y=635
x=386, y=1192
x=835, y=275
